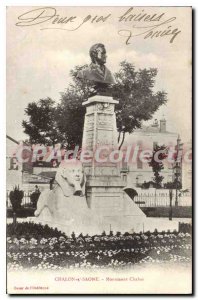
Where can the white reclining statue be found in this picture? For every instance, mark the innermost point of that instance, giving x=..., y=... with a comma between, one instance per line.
x=65, y=206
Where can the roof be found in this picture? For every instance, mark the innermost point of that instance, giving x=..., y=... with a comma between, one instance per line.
x=48, y=174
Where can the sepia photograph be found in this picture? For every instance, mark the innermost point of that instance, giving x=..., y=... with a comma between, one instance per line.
x=99, y=150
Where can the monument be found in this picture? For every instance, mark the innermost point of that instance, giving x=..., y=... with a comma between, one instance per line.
x=90, y=198
x=105, y=195
x=105, y=187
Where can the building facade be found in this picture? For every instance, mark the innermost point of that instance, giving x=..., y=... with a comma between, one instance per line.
x=144, y=139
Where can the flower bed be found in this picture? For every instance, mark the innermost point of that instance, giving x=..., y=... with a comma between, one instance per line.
x=33, y=246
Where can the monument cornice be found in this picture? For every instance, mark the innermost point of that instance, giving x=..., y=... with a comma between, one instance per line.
x=100, y=99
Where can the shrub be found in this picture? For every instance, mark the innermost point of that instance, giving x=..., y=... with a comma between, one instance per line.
x=34, y=198
x=118, y=233
x=110, y=233
x=31, y=230
x=16, y=197
x=185, y=228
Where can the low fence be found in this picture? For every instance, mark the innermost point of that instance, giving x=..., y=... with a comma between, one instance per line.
x=142, y=200
x=161, y=199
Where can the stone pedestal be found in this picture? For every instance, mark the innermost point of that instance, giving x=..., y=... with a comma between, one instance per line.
x=100, y=135
x=105, y=195
x=104, y=183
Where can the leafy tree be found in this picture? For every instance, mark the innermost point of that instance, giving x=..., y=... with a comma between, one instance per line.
x=137, y=102
x=42, y=125
x=157, y=165
x=70, y=112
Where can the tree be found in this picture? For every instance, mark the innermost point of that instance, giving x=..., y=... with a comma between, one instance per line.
x=42, y=125
x=137, y=102
x=70, y=112
x=159, y=152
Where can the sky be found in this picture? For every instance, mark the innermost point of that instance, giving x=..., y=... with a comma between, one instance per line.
x=40, y=57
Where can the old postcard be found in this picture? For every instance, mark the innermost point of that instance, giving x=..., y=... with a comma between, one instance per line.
x=99, y=150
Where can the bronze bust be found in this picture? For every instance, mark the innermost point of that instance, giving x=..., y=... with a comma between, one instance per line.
x=97, y=72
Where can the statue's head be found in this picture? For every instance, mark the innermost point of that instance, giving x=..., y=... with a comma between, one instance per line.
x=72, y=170
x=70, y=177
x=96, y=73
x=98, y=54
